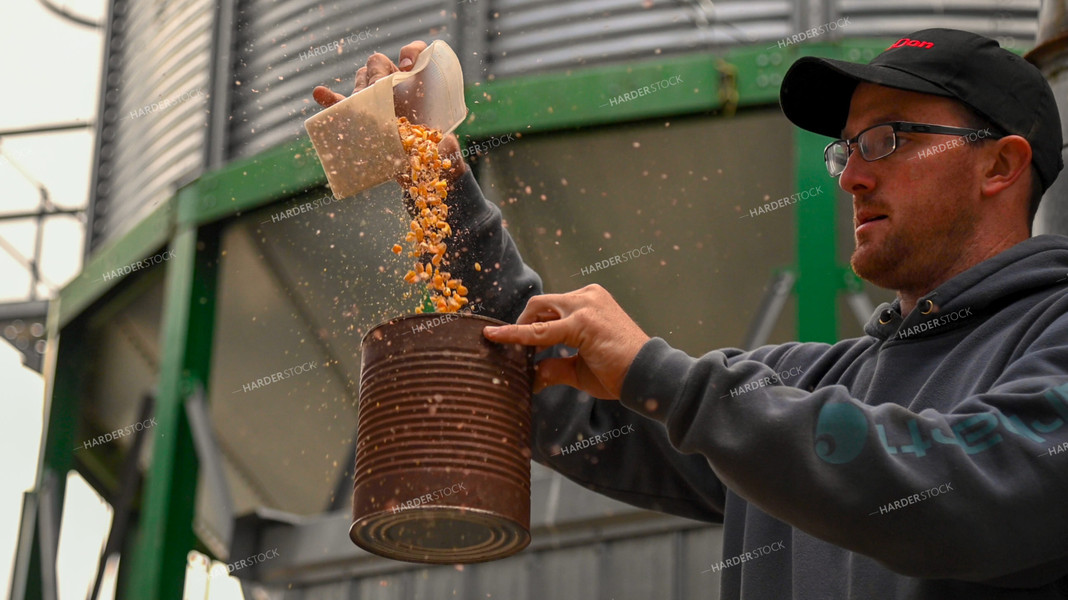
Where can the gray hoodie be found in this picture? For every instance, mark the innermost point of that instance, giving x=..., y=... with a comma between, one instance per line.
x=925, y=460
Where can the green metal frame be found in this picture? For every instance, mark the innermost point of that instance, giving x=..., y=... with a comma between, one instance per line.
x=190, y=223
x=166, y=527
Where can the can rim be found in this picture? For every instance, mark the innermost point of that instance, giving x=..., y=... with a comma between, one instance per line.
x=420, y=316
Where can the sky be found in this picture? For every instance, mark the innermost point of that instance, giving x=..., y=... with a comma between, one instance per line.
x=51, y=74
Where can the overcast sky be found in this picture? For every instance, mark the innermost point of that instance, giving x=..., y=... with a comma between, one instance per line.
x=50, y=74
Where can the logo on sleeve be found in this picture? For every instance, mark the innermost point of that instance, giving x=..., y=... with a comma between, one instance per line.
x=841, y=432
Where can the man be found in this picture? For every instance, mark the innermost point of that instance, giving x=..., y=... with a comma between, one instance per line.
x=925, y=460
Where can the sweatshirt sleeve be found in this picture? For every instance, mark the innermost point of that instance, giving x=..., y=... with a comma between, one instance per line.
x=975, y=493
x=596, y=443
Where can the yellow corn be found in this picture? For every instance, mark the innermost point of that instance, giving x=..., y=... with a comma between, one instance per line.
x=429, y=228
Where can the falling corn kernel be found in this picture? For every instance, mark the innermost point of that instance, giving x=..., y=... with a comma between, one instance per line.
x=429, y=228
x=397, y=249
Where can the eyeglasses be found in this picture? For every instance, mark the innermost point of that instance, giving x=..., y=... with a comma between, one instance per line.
x=880, y=141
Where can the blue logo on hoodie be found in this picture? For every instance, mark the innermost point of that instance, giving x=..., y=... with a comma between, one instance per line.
x=841, y=431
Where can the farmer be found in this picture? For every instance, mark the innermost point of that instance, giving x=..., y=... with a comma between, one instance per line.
x=927, y=459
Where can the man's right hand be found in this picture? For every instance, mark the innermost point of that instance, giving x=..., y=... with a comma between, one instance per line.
x=378, y=66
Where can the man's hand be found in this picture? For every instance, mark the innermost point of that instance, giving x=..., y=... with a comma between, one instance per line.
x=378, y=66
x=588, y=319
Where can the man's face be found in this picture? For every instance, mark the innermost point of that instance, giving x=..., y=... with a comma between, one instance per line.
x=913, y=213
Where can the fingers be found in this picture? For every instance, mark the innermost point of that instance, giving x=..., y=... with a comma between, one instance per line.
x=543, y=322
x=571, y=371
x=361, y=80
x=553, y=371
x=326, y=97
x=541, y=333
x=379, y=66
x=409, y=53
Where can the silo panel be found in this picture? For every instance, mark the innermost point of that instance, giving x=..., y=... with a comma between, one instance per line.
x=154, y=113
x=276, y=64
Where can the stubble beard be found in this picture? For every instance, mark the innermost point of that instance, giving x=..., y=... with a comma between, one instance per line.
x=913, y=261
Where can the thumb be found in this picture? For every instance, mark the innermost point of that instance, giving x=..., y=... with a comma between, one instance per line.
x=326, y=97
x=571, y=371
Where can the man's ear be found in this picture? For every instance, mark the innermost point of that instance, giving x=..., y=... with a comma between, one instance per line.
x=1007, y=161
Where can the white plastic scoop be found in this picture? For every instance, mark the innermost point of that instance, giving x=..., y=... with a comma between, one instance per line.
x=357, y=139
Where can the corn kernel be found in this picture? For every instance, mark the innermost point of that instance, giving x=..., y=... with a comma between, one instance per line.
x=429, y=228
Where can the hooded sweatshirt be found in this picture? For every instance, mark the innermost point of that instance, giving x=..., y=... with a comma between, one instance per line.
x=927, y=460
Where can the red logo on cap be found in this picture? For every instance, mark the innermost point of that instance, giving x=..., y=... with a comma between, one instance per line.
x=913, y=43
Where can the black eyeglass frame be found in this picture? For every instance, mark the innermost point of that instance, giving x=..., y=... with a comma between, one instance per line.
x=896, y=126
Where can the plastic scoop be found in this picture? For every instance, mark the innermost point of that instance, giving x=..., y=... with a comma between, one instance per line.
x=357, y=139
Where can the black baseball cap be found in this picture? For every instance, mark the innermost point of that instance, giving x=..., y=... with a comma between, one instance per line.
x=997, y=84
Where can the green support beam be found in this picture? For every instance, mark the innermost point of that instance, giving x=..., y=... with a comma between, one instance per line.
x=62, y=398
x=166, y=526
x=819, y=274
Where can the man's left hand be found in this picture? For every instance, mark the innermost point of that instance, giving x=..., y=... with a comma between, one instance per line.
x=588, y=319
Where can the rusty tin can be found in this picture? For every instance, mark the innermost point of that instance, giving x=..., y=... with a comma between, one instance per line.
x=442, y=442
